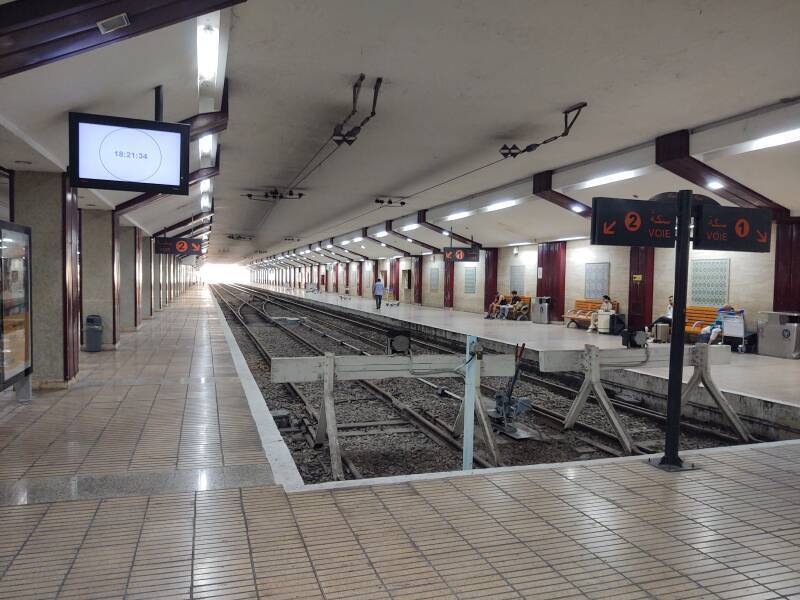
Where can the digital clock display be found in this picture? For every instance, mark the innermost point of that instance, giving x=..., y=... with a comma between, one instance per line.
x=109, y=152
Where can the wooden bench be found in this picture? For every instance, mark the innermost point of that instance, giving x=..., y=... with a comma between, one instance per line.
x=698, y=317
x=581, y=314
x=524, y=312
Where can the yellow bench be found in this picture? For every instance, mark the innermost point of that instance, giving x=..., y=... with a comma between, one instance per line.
x=698, y=317
x=523, y=312
x=581, y=314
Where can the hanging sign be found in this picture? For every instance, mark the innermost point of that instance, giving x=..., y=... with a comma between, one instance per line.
x=730, y=228
x=622, y=222
x=462, y=254
x=188, y=246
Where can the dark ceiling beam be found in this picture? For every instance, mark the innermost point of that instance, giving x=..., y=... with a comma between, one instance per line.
x=422, y=220
x=380, y=242
x=184, y=223
x=406, y=238
x=35, y=33
x=543, y=188
x=672, y=154
x=195, y=177
x=209, y=122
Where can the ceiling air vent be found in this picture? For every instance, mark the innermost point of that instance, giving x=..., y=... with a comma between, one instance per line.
x=110, y=24
x=239, y=237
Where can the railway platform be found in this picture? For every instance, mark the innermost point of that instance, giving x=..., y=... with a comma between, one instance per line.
x=761, y=388
x=124, y=511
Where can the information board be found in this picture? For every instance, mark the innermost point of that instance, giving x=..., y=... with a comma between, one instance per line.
x=462, y=254
x=623, y=222
x=731, y=228
x=188, y=246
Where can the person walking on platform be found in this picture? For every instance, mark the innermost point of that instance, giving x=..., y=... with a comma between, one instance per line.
x=377, y=291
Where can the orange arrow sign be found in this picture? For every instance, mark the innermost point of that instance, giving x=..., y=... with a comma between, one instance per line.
x=195, y=247
x=608, y=228
x=761, y=236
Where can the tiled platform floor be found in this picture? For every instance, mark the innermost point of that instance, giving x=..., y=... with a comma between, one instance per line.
x=619, y=530
x=764, y=377
x=165, y=408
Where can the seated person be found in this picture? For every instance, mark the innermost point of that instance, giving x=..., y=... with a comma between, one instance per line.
x=517, y=305
x=715, y=329
x=495, y=307
x=665, y=318
x=605, y=306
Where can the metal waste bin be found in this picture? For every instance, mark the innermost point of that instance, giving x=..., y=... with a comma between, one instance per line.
x=540, y=311
x=93, y=333
x=779, y=334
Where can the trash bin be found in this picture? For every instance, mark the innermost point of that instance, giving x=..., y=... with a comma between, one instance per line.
x=93, y=333
x=540, y=311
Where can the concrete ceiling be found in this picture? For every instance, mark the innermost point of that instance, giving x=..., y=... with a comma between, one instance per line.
x=461, y=79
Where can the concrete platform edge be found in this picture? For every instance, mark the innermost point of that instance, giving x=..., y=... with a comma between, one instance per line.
x=335, y=485
x=284, y=469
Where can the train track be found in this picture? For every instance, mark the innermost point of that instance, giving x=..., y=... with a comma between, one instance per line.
x=529, y=376
x=404, y=420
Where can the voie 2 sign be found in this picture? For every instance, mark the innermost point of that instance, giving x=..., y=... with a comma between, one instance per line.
x=622, y=222
x=188, y=246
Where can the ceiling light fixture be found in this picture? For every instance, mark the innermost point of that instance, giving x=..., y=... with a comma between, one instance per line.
x=318, y=248
x=715, y=184
x=383, y=245
x=570, y=116
x=345, y=242
x=519, y=244
x=611, y=178
x=363, y=247
x=445, y=233
x=500, y=205
x=427, y=253
x=329, y=246
x=205, y=202
x=778, y=139
x=357, y=239
x=410, y=227
x=410, y=240
x=381, y=234
x=576, y=208
x=458, y=215
x=205, y=185
x=205, y=144
x=207, y=53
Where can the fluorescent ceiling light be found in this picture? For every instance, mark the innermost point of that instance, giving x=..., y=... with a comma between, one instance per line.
x=576, y=208
x=605, y=179
x=205, y=144
x=500, y=205
x=778, y=139
x=715, y=184
x=411, y=227
x=207, y=52
x=363, y=247
x=345, y=242
x=205, y=185
x=458, y=215
x=409, y=240
x=329, y=246
x=205, y=202
x=571, y=238
x=317, y=248
x=382, y=244
x=445, y=233
x=381, y=234
x=398, y=256
x=426, y=253
x=519, y=244
x=357, y=239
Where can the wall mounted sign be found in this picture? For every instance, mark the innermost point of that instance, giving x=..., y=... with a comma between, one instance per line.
x=622, y=222
x=187, y=246
x=462, y=254
x=736, y=229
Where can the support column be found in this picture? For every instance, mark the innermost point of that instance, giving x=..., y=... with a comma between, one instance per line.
x=417, y=271
x=100, y=271
x=490, y=257
x=130, y=291
x=43, y=202
x=449, y=279
x=552, y=264
x=158, y=297
x=147, y=276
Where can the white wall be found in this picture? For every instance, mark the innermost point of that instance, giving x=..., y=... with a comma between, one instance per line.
x=469, y=302
x=580, y=252
x=432, y=297
x=527, y=257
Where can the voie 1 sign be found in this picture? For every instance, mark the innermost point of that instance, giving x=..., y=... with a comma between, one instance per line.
x=622, y=222
x=737, y=229
x=115, y=153
x=462, y=254
x=188, y=246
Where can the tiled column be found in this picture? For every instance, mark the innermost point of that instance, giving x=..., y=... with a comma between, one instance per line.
x=43, y=202
x=130, y=278
x=100, y=271
x=147, y=277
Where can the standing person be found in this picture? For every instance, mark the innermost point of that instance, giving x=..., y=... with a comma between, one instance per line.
x=377, y=291
x=665, y=318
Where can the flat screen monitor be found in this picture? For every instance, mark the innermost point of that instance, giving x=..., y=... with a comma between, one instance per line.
x=114, y=153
